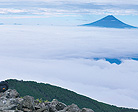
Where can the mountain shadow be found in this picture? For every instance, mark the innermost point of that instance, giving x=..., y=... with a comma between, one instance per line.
x=109, y=22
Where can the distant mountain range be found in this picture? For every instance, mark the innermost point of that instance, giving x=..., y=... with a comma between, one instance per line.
x=50, y=92
x=109, y=22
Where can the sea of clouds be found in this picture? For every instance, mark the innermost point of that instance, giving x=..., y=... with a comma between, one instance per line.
x=64, y=56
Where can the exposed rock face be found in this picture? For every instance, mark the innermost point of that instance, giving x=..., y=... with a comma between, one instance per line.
x=86, y=110
x=55, y=104
x=10, y=101
x=27, y=104
x=71, y=108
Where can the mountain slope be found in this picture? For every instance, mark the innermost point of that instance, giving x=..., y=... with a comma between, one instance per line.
x=49, y=92
x=110, y=22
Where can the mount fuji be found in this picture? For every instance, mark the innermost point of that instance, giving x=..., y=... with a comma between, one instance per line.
x=109, y=22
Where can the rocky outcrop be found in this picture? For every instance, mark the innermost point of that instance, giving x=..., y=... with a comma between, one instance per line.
x=10, y=101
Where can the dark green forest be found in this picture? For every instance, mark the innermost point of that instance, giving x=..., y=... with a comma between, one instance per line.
x=50, y=92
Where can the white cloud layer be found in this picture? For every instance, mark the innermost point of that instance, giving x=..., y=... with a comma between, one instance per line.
x=80, y=1
x=114, y=2
x=63, y=56
x=44, y=7
x=60, y=12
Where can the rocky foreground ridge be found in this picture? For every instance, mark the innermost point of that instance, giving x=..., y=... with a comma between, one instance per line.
x=10, y=101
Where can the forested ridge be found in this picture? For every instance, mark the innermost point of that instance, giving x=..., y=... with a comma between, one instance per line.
x=50, y=92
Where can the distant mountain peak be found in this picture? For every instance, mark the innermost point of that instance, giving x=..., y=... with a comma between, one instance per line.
x=110, y=16
x=110, y=22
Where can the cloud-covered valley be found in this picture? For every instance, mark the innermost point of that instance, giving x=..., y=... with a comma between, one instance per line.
x=64, y=56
